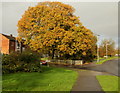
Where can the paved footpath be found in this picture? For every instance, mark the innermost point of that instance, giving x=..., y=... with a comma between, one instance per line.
x=87, y=82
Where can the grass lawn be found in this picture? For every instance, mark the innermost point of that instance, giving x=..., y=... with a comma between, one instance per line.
x=51, y=79
x=108, y=83
x=104, y=60
x=99, y=58
x=45, y=58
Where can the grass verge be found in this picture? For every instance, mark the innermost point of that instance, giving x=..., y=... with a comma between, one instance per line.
x=45, y=58
x=51, y=79
x=108, y=83
x=104, y=60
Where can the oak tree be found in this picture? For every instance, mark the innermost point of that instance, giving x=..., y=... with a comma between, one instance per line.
x=51, y=27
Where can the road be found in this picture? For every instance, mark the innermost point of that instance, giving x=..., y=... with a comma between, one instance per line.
x=110, y=66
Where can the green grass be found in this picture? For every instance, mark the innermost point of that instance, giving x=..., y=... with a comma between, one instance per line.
x=51, y=79
x=99, y=58
x=108, y=83
x=104, y=60
x=45, y=58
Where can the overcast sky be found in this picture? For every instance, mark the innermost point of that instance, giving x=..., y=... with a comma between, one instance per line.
x=100, y=17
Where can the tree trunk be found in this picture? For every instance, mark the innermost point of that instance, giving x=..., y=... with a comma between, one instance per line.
x=53, y=52
x=20, y=47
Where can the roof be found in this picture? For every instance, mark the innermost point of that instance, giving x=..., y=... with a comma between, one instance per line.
x=9, y=37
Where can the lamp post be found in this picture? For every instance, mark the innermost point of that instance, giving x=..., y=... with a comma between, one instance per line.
x=97, y=48
x=106, y=49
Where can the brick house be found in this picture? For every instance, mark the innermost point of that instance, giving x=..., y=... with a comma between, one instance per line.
x=9, y=44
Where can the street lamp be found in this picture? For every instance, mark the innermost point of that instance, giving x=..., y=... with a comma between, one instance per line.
x=97, y=47
x=106, y=49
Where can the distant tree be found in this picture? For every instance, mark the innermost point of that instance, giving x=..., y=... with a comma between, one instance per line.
x=109, y=46
x=51, y=27
x=117, y=51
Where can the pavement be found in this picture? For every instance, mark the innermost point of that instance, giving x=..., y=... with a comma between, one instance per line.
x=87, y=81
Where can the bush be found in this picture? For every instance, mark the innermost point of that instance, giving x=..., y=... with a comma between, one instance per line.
x=27, y=61
x=29, y=56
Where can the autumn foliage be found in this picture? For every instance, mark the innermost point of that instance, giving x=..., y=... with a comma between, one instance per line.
x=51, y=27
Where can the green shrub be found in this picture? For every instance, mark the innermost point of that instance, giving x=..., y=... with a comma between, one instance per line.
x=27, y=61
x=29, y=56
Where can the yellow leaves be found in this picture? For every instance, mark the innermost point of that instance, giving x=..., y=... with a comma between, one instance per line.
x=57, y=41
x=58, y=15
x=19, y=39
x=86, y=41
x=71, y=52
x=35, y=26
x=53, y=23
x=84, y=53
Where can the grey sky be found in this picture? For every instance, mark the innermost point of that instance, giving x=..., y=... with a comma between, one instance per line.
x=100, y=17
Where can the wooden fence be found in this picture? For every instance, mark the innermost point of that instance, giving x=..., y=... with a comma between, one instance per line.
x=67, y=62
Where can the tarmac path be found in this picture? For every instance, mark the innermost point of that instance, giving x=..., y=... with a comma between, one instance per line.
x=87, y=81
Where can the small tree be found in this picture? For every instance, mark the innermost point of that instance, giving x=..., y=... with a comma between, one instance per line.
x=107, y=46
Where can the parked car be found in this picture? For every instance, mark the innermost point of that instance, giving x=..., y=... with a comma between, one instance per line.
x=43, y=62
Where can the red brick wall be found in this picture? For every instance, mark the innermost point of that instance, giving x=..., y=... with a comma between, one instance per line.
x=4, y=44
x=12, y=46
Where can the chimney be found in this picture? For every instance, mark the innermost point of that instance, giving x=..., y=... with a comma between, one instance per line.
x=11, y=35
